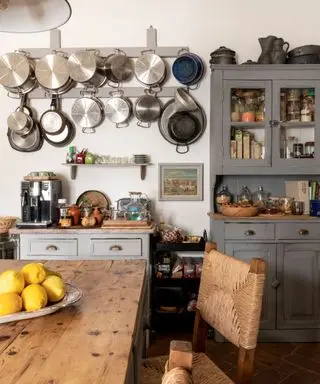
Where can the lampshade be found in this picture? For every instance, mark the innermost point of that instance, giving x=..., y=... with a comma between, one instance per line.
x=27, y=16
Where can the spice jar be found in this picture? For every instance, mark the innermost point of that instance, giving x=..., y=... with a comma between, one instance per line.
x=224, y=196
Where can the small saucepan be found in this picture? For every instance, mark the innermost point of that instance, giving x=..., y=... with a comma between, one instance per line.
x=150, y=69
x=118, y=68
x=53, y=121
x=20, y=122
x=118, y=109
x=147, y=109
x=188, y=69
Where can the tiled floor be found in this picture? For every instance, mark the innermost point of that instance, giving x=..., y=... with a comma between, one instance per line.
x=285, y=363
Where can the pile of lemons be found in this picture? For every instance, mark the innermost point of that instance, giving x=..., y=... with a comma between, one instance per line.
x=29, y=289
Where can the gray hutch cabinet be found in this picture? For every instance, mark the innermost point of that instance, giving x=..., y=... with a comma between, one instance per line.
x=290, y=245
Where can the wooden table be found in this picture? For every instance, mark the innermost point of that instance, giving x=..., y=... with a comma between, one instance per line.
x=89, y=342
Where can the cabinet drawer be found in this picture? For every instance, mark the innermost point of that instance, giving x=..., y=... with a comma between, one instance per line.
x=53, y=247
x=116, y=247
x=249, y=231
x=299, y=231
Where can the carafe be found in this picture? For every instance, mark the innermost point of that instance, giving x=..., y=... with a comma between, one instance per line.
x=266, y=44
x=135, y=210
x=279, y=54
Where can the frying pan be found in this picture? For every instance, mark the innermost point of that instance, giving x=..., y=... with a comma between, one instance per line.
x=183, y=127
x=64, y=138
x=169, y=110
x=53, y=121
x=28, y=143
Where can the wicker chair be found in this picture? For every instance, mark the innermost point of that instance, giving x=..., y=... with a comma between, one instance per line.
x=230, y=300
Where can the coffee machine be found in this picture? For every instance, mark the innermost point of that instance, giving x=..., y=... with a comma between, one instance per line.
x=39, y=201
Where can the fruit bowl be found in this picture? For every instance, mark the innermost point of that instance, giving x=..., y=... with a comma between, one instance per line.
x=238, y=211
x=73, y=294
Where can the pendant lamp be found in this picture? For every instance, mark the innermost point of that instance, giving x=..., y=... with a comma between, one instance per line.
x=27, y=16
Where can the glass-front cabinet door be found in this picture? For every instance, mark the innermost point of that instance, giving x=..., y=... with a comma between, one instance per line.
x=296, y=139
x=246, y=123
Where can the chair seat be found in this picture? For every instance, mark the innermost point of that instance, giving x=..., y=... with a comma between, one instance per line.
x=204, y=371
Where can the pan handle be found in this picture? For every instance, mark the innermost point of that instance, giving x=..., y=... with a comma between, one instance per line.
x=143, y=124
x=122, y=125
x=88, y=130
x=194, y=86
x=182, y=145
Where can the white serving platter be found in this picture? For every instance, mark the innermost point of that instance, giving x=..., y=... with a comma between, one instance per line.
x=73, y=294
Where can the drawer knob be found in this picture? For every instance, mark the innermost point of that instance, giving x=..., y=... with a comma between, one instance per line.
x=115, y=248
x=250, y=232
x=51, y=248
x=303, y=232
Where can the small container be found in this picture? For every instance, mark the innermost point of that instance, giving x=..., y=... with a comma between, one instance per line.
x=297, y=150
x=315, y=208
x=245, y=196
x=309, y=148
x=286, y=205
x=297, y=207
x=224, y=196
x=236, y=109
x=260, y=197
x=62, y=210
x=283, y=106
x=75, y=213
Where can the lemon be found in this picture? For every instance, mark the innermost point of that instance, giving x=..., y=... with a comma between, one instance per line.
x=34, y=297
x=52, y=273
x=10, y=303
x=55, y=288
x=11, y=281
x=34, y=273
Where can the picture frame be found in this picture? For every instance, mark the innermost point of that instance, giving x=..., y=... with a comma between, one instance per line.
x=180, y=181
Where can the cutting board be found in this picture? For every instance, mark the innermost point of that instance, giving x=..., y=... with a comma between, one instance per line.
x=126, y=224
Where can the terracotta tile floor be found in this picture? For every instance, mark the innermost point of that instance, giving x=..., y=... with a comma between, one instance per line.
x=275, y=363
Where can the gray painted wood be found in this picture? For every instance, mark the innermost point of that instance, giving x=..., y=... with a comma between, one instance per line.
x=266, y=252
x=249, y=231
x=298, y=293
x=216, y=101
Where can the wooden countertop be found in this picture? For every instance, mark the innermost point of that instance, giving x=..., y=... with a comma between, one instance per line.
x=291, y=218
x=78, y=231
x=89, y=342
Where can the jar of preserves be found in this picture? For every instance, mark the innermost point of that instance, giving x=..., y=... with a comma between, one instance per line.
x=293, y=110
x=260, y=109
x=224, y=196
x=236, y=108
x=248, y=114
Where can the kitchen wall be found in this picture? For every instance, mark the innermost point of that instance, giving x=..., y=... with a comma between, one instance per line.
x=203, y=25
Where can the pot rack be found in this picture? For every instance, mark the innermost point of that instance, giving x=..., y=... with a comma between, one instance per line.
x=104, y=92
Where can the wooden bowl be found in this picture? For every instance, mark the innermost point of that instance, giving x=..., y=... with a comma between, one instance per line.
x=229, y=210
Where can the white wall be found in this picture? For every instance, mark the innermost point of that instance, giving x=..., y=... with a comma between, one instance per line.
x=203, y=25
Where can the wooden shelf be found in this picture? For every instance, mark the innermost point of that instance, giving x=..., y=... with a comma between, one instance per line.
x=219, y=216
x=73, y=167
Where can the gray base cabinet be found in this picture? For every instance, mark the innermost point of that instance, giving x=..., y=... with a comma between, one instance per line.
x=291, y=303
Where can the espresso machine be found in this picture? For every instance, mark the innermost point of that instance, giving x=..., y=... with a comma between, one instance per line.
x=39, y=201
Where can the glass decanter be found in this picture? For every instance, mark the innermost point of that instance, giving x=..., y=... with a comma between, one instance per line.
x=135, y=210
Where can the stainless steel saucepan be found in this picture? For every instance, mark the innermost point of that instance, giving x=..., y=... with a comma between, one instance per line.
x=119, y=68
x=20, y=122
x=53, y=121
x=53, y=74
x=17, y=72
x=147, y=109
x=150, y=69
x=88, y=68
x=118, y=109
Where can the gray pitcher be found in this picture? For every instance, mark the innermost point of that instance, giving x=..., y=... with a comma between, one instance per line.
x=267, y=47
x=279, y=54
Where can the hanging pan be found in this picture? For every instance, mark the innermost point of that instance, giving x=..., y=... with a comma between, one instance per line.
x=64, y=138
x=53, y=121
x=150, y=70
x=28, y=143
x=147, y=109
x=181, y=128
x=118, y=109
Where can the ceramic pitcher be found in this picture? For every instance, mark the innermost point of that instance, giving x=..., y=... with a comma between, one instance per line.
x=266, y=47
x=279, y=54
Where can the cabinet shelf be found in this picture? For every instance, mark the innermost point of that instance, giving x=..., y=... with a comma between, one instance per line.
x=73, y=168
x=298, y=124
x=241, y=124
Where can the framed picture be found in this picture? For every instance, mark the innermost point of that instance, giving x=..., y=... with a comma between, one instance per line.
x=181, y=181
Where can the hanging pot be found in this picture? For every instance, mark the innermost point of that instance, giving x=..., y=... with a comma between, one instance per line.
x=188, y=69
x=28, y=143
x=183, y=127
x=20, y=122
x=64, y=138
x=147, y=109
x=119, y=68
x=87, y=111
x=53, y=121
x=173, y=133
x=53, y=74
x=150, y=69
x=118, y=109
x=185, y=101
x=17, y=72
x=88, y=68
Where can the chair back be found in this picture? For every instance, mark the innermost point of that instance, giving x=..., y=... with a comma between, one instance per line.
x=230, y=297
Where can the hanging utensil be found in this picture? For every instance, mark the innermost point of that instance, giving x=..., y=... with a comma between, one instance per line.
x=119, y=68
x=53, y=74
x=87, y=111
x=185, y=101
x=150, y=69
x=28, y=143
x=17, y=72
x=182, y=146
x=183, y=127
x=118, y=109
x=188, y=69
x=19, y=122
x=64, y=138
x=88, y=68
x=53, y=121
x=147, y=109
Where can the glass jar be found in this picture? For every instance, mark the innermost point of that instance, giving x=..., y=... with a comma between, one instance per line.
x=309, y=148
x=248, y=114
x=245, y=196
x=286, y=205
x=283, y=106
x=62, y=210
x=293, y=110
x=260, y=109
x=224, y=196
x=289, y=149
x=236, y=108
x=297, y=150
x=305, y=112
x=260, y=197
x=135, y=210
